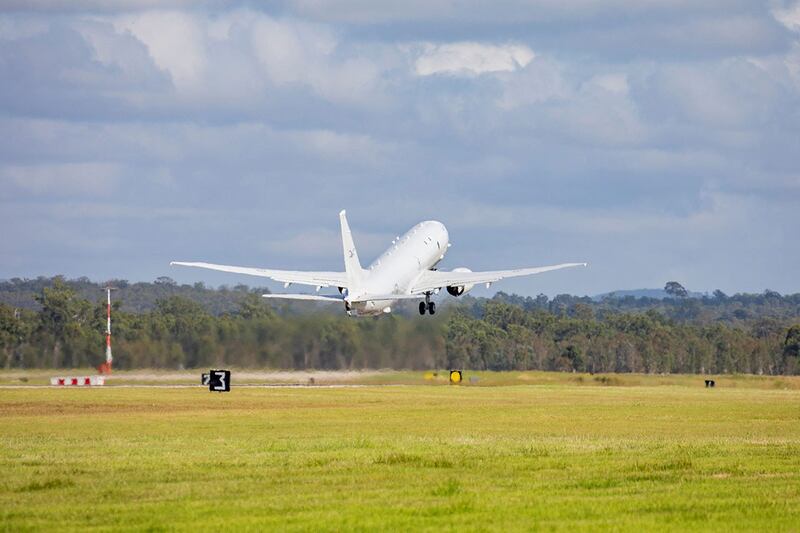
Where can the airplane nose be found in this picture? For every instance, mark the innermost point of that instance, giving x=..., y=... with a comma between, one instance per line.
x=436, y=229
x=444, y=236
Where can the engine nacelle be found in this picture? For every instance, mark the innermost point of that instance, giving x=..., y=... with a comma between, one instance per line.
x=458, y=290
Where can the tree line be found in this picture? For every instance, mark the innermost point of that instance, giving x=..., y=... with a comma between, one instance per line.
x=172, y=326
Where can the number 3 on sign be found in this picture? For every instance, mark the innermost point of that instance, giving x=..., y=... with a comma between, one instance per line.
x=220, y=381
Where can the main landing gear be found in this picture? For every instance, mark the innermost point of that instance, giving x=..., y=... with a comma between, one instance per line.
x=427, y=305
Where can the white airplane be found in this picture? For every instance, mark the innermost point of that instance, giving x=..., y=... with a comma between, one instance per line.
x=406, y=271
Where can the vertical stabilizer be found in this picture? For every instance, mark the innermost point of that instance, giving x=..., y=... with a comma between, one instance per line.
x=351, y=263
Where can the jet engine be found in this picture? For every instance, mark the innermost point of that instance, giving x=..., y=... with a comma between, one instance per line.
x=458, y=290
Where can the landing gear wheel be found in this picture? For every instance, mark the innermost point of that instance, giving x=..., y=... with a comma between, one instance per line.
x=431, y=308
x=422, y=307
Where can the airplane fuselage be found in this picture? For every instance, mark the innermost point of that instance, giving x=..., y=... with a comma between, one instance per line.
x=401, y=265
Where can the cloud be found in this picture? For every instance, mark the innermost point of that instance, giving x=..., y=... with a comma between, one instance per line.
x=85, y=6
x=542, y=80
x=288, y=51
x=364, y=12
x=470, y=58
x=729, y=95
x=788, y=16
x=612, y=82
x=618, y=29
x=545, y=100
x=59, y=73
x=19, y=27
x=292, y=52
x=338, y=146
x=174, y=41
x=66, y=179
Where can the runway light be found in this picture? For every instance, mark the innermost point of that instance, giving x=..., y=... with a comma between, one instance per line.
x=455, y=377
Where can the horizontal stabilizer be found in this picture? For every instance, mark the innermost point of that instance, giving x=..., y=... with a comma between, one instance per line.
x=384, y=297
x=319, y=279
x=313, y=297
x=340, y=298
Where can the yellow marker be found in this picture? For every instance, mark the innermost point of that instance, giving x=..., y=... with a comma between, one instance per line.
x=455, y=377
x=428, y=376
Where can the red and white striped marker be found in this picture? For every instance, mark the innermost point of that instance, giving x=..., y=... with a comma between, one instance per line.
x=105, y=368
x=77, y=381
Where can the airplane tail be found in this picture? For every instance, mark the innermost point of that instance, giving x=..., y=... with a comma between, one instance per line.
x=352, y=265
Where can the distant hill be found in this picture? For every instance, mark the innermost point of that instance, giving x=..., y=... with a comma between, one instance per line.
x=658, y=294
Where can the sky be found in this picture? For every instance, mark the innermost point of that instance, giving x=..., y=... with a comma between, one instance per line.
x=658, y=140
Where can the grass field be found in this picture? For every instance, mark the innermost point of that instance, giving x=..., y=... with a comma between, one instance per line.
x=637, y=453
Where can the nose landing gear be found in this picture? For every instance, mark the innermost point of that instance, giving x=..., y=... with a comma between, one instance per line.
x=427, y=305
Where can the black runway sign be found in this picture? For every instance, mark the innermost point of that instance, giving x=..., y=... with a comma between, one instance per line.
x=220, y=381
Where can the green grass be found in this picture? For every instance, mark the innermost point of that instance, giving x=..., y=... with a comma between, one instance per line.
x=558, y=456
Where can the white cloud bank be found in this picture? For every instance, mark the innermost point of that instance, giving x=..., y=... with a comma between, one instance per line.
x=65, y=179
x=789, y=17
x=471, y=58
x=174, y=40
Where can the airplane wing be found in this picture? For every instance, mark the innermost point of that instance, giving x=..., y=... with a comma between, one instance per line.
x=435, y=279
x=319, y=279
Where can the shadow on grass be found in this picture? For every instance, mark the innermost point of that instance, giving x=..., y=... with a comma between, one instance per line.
x=400, y=458
x=45, y=485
